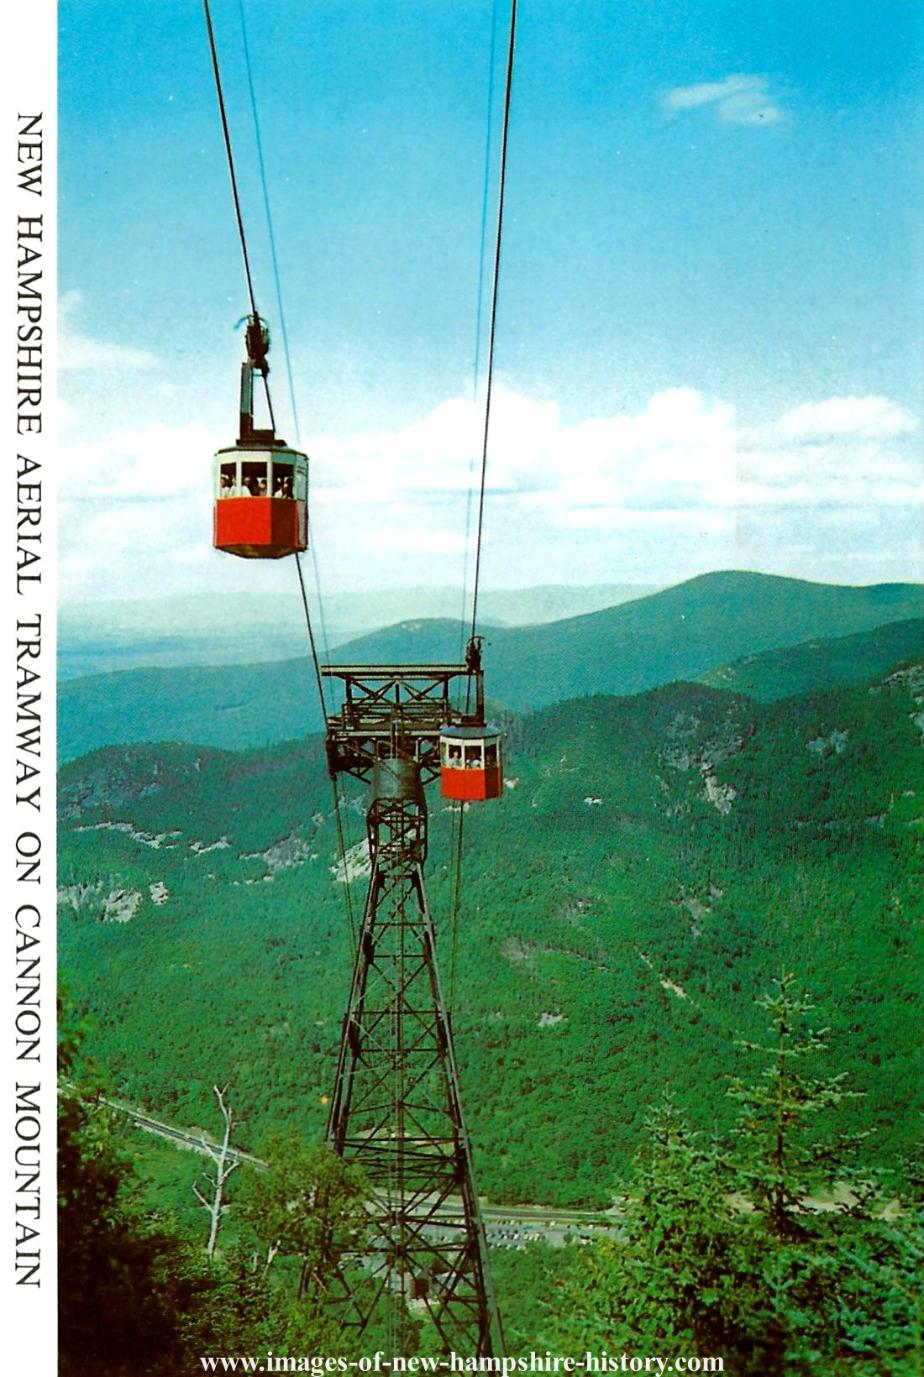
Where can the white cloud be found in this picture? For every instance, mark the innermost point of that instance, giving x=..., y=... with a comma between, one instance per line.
x=680, y=439
x=870, y=418
x=418, y=537
x=737, y=99
x=77, y=351
x=136, y=466
x=682, y=450
x=442, y=451
x=839, y=452
x=679, y=475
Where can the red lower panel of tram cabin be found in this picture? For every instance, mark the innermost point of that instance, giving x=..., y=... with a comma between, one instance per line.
x=260, y=527
x=469, y=785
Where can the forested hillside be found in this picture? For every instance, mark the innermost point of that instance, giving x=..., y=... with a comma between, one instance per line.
x=654, y=863
x=813, y=666
x=680, y=633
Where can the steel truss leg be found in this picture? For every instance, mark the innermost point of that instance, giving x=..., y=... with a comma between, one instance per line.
x=397, y=1112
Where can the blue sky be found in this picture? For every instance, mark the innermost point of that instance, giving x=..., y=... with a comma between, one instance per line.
x=709, y=337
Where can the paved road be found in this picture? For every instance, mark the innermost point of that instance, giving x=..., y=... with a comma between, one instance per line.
x=507, y=1226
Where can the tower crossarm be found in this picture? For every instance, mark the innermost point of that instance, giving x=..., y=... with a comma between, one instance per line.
x=391, y=709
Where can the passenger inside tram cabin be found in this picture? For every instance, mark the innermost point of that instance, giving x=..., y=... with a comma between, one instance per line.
x=473, y=758
x=254, y=483
x=253, y=475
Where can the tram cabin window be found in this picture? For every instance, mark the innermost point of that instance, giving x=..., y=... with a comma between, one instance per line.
x=254, y=478
x=473, y=757
x=300, y=483
x=227, y=480
x=490, y=755
x=288, y=480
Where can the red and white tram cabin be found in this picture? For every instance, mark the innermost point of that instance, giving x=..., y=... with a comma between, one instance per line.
x=261, y=501
x=471, y=763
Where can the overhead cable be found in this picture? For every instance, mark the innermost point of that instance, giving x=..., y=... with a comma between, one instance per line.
x=494, y=290
x=234, y=190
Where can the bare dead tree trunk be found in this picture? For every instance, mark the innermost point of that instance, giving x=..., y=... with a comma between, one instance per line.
x=223, y=1168
x=271, y=1254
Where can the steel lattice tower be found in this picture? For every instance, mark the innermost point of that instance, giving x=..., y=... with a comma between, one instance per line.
x=396, y=1108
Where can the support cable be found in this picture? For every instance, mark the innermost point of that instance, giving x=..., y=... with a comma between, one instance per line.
x=234, y=191
x=335, y=792
x=277, y=279
x=476, y=368
x=269, y=223
x=494, y=288
x=508, y=87
x=456, y=881
x=348, y=898
x=311, y=641
x=287, y=354
x=230, y=156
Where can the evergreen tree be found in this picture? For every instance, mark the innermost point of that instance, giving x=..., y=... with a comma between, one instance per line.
x=724, y=1252
x=784, y=1152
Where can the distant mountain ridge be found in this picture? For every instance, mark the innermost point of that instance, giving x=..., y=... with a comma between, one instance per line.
x=680, y=633
x=174, y=632
x=816, y=665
